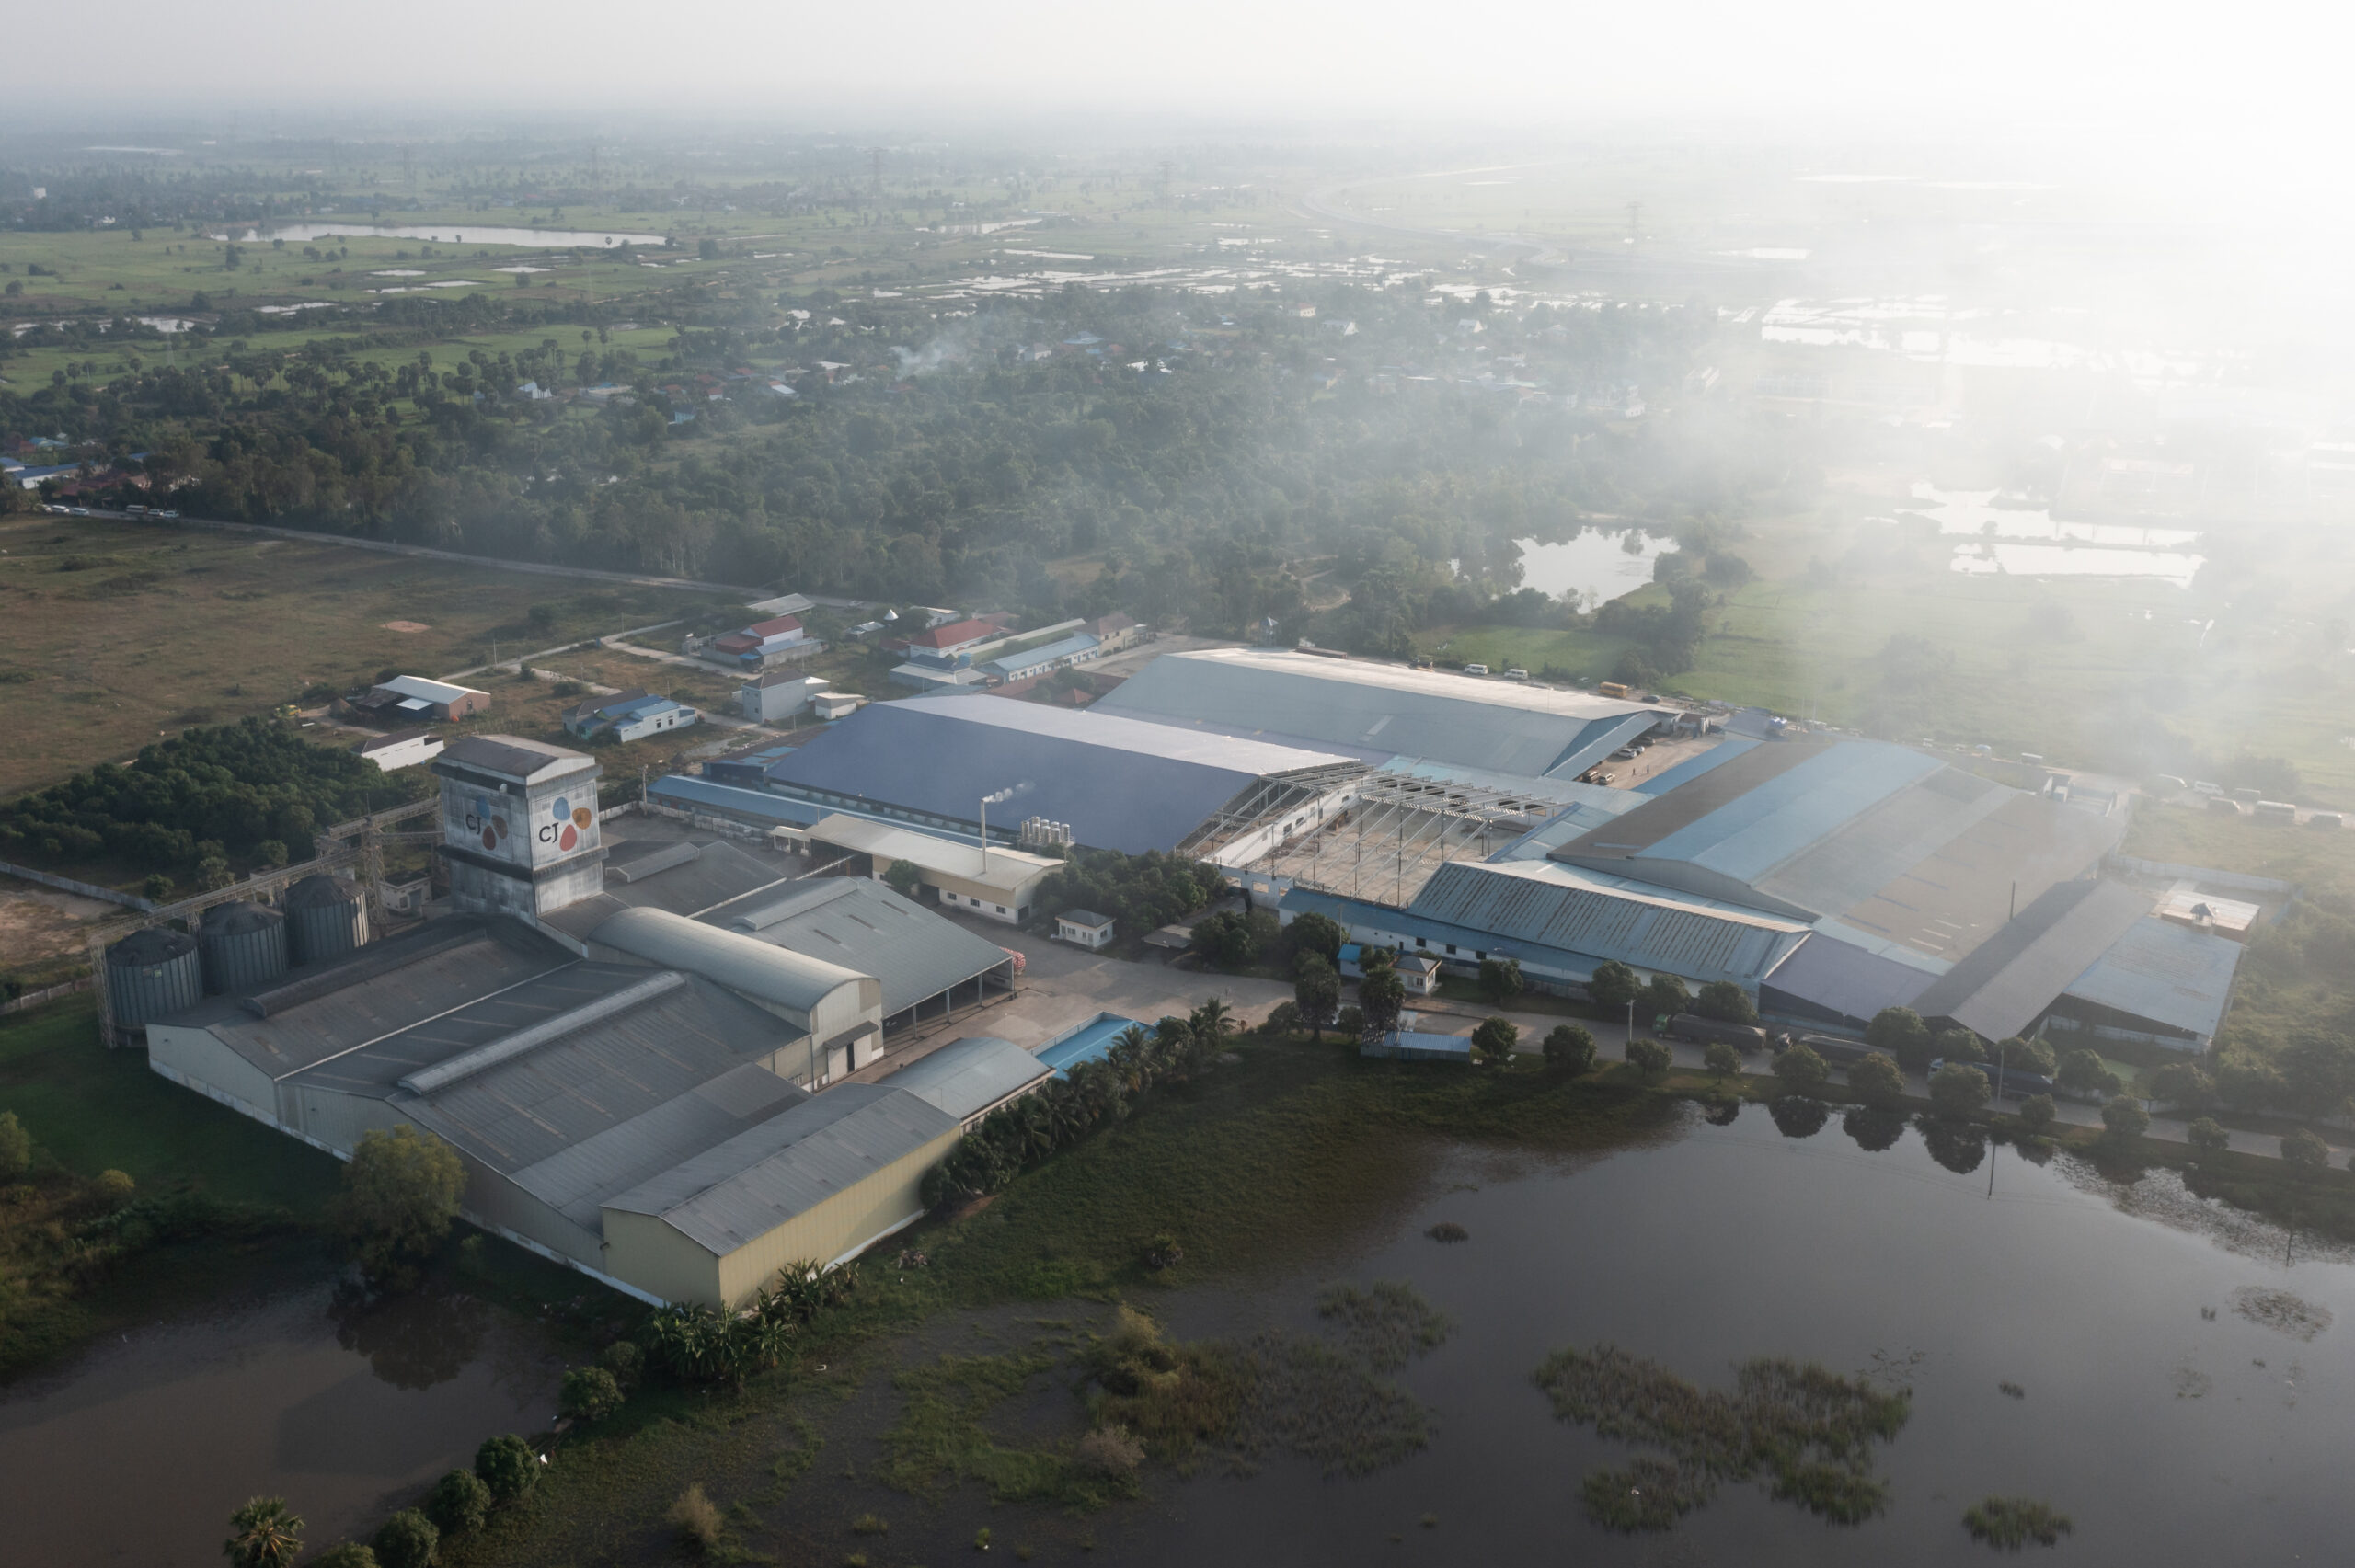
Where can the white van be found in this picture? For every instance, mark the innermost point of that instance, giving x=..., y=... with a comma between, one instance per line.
x=1476, y=669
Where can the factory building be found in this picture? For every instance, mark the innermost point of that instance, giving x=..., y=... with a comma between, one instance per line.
x=637, y=1049
x=413, y=700
x=993, y=883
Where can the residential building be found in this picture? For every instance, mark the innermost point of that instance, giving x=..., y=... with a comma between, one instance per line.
x=1084, y=928
x=630, y=715
x=777, y=694
x=763, y=643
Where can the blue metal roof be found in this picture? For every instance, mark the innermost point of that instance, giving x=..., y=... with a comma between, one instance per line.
x=1833, y=976
x=1014, y=664
x=1765, y=826
x=2166, y=973
x=753, y=805
x=1086, y=1043
x=1121, y=783
x=1598, y=740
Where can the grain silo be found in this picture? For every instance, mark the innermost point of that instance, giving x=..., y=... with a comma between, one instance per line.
x=326, y=916
x=150, y=974
x=243, y=945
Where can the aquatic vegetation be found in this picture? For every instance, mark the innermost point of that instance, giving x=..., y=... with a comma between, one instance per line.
x=2281, y=1312
x=1322, y=1404
x=1387, y=1323
x=1447, y=1231
x=2011, y=1523
x=1810, y=1431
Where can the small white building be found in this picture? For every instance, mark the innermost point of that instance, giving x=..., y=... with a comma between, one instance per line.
x=832, y=705
x=995, y=884
x=1084, y=928
x=401, y=749
x=777, y=694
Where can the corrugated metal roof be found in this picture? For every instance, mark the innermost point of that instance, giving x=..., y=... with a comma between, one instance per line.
x=1857, y=858
x=1598, y=740
x=861, y=924
x=1961, y=894
x=767, y=970
x=1010, y=870
x=1121, y=783
x=715, y=873
x=750, y=805
x=1693, y=767
x=427, y=691
x=1556, y=906
x=2006, y=984
x=511, y=755
x=1823, y=972
x=967, y=1077
x=1780, y=817
x=1013, y=664
x=1509, y=727
x=760, y=1179
x=2161, y=971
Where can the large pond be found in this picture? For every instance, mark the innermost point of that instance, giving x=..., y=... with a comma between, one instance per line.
x=443, y=233
x=141, y=1449
x=1592, y=566
x=2168, y=1425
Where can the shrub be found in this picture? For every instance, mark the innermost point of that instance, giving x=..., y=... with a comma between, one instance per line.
x=1721, y=1058
x=408, y=1539
x=458, y=1503
x=2182, y=1083
x=1958, y=1090
x=346, y=1554
x=508, y=1467
x=16, y=1147
x=1650, y=1059
x=113, y=1189
x=590, y=1394
x=1799, y=1070
x=1876, y=1081
x=1570, y=1049
x=1160, y=1252
x=626, y=1361
x=696, y=1517
x=1108, y=1450
x=2206, y=1137
x=1727, y=1002
x=2302, y=1148
x=2124, y=1119
x=1493, y=1040
x=2036, y=1113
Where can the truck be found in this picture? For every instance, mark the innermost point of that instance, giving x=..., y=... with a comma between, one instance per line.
x=1693, y=1026
x=1838, y=1051
x=2018, y=1082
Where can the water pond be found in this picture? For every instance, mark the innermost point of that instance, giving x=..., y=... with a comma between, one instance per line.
x=1592, y=566
x=144, y=1446
x=444, y=233
x=2122, y=1353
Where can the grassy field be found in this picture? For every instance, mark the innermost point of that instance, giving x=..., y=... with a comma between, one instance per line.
x=2316, y=862
x=113, y=634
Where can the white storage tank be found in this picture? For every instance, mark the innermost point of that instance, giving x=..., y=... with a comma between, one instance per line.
x=326, y=916
x=243, y=945
x=151, y=973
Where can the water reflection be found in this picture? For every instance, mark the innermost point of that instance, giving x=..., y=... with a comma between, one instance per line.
x=1722, y=1113
x=1957, y=1146
x=1874, y=1131
x=412, y=1340
x=1797, y=1118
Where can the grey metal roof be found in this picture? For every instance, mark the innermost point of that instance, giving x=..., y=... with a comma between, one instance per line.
x=1651, y=928
x=861, y=924
x=511, y=755
x=2006, y=983
x=787, y=1165
x=2165, y=973
x=780, y=973
x=695, y=879
x=1834, y=977
x=1088, y=918
x=1508, y=727
x=1120, y=782
x=967, y=1077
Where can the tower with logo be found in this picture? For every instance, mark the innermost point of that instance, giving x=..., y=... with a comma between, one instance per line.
x=519, y=824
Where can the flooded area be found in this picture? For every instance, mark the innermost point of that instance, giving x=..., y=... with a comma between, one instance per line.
x=2148, y=1364
x=443, y=233
x=1593, y=566
x=339, y=1406
x=2020, y=539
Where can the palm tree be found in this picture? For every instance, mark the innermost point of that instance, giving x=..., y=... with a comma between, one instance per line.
x=265, y=1533
x=1213, y=1021
x=1128, y=1056
x=1037, y=1126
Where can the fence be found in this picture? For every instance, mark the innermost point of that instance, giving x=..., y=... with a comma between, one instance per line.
x=47, y=993
x=87, y=890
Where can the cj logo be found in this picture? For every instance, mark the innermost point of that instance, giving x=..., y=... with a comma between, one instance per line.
x=565, y=825
x=493, y=828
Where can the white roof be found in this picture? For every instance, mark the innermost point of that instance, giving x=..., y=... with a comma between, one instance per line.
x=418, y=686
x=1449, y=683
x=1011, y=870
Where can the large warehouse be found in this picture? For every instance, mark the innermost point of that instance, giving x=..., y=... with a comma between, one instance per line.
x=638, y=1049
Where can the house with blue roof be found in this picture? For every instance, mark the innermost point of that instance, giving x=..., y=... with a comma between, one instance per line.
x=631, y=716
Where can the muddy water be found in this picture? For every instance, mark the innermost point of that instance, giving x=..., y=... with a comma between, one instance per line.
x=2168, y=1436
x=137, y=1452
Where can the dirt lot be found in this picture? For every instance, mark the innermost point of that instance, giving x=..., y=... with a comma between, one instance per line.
x=38, y=926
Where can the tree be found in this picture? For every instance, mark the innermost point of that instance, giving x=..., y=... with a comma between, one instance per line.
x=2082, y=1073
x=2023, y=1056
x=1317, y=933
x=1876, y=1079
x=1901, y=1032
x=346, y=1554
x=590, y=1394
x=1493, y=1040
x=1799, y=1070
x=1316, y=991
x=1958, y=1090
x=507, y=1466
x=1650, y=1060
x=16, y=1147
x=2207, y=1137
x=2320, y=1072
x=2037, y=1111
x=265, y=1533
x=904, y=875
x=1727, y=1002
x=1957, y=1045
x=1224, y=939
x=2303, y=1150
x=1663, y=997
x=2124, y=1119
x=1570, y=1050
x=400, y=1195
x=1380, y=996
x=458, y=1503
x=1613, y=985
x=1500, y=980
x=408, y=1539
x=1721, y=1058
x=2182, y=1083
